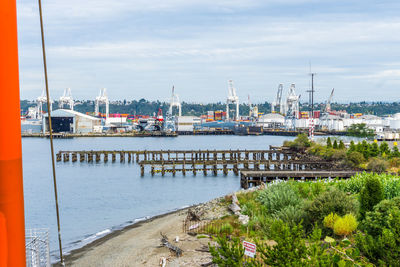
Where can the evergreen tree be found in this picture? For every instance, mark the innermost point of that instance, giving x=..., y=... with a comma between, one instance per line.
x=374, y=150
x=384, y=149
x=371, y=194
x=341, y=145
x=328, y=143
x=365, y=150
x=335, y=145
x=352, y=146
x=395, y=152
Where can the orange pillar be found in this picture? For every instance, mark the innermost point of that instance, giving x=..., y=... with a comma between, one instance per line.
x=12, y=242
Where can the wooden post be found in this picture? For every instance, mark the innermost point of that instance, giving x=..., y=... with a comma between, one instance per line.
x=82, y=157
x=122, y=157
x=236, y=169
x=141, y=169
x=129, y=157
x=205, y=168
x=105, y=157
x=114, y=157
x=173, y=169
x=59, y=156
x=152, y=170
x=74, y=157
x=97, y=157
x=225, y=168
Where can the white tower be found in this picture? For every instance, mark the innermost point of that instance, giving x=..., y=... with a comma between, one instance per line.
x=232, y=99
x=42, y=99
x=102, y=99
x=66, y=99
x=174, y=102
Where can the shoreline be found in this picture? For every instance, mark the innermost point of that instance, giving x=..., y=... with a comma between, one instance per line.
x=75, y=254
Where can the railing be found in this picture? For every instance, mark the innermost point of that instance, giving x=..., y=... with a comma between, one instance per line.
x=37, y=248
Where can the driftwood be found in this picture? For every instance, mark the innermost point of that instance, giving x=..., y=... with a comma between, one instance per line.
x=203, y=249
x=166, y=243
x=194, y=214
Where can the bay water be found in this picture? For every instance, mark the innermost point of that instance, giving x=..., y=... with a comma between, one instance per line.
x=98, y=198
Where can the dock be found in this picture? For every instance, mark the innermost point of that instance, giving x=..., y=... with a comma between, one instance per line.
x=254, y=166
x=253, y=178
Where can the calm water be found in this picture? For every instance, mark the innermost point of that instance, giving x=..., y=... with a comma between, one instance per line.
x=96, y=199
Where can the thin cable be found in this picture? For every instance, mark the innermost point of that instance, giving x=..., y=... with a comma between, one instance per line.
x=51, y=134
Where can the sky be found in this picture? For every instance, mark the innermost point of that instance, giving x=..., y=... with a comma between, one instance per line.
x=141, y=48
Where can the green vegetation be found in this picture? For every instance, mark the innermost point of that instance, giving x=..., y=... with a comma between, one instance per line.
x=360, y=130
x=352, y=222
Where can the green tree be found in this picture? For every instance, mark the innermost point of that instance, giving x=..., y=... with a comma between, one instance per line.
x=335, y=145
x=360, y=130
x=352, y=146
x=395, y=152
x=341, y=145
x=329, y=143
x=371, y=194
x=384, y=149
x=374, y=151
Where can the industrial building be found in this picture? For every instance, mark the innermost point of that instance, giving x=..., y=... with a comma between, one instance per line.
x=187, y=123
x=70, y=121
x=271, y=120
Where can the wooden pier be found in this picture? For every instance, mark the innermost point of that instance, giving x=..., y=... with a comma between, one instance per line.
x=254, y=166
x=253, y=178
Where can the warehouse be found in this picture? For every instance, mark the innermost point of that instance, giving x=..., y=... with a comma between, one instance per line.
x=69, y=121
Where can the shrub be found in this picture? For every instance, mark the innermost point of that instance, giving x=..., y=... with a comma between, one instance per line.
x=344, y=226
x=301, y=142
x=381, y=241
x=374, y=150
x=278, y=196
x=378, y=219
x=377, y=165
x=332, y=201
x=371, y=194
x=290, y=248
x=355, y=158
x=339, y=155
x=394, y=162
x=226, y=228
x=390, y=183
x=329, y=221
x=290, y=215
x=227, y=254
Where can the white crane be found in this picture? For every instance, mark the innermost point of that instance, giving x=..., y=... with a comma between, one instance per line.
x=42, y=99
x=278, y=100
x=102, y=99
x=232, y=99
x=328, y=103
x=174, y=102
x=66, y=99
x=292, y=107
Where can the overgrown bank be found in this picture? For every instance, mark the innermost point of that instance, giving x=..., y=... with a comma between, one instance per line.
x=322, y=223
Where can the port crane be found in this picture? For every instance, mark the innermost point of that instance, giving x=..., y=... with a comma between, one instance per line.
x=278, y=101
x=66, y=99
x=292, y=107
x=102, y=99
x=174, y=102
x=328, y=103
x=232, y=99
x=42, y=99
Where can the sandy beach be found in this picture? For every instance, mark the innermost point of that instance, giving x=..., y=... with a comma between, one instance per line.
x=139, y=244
